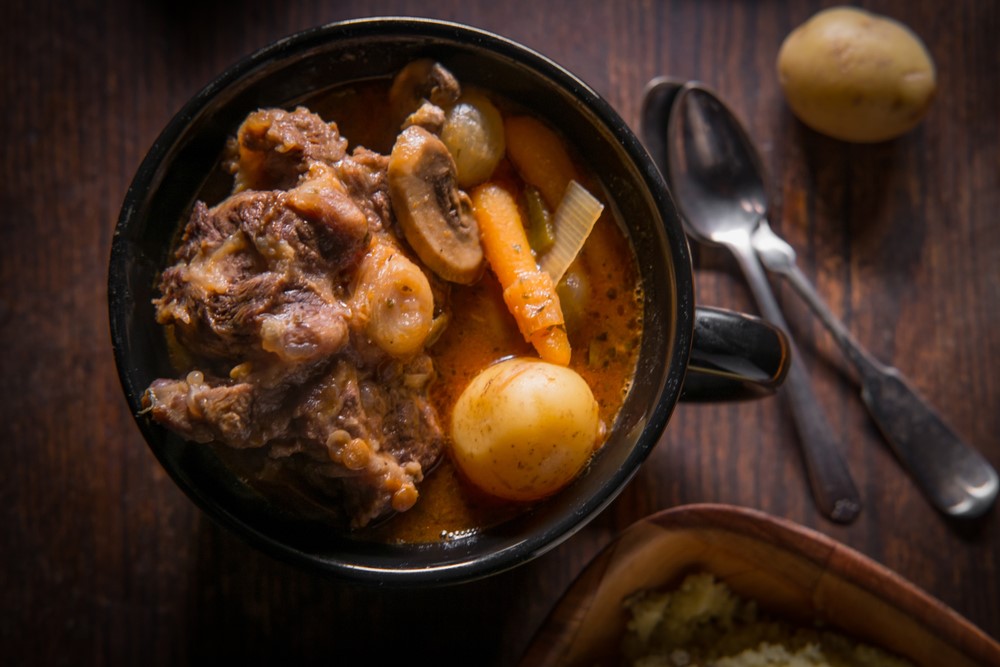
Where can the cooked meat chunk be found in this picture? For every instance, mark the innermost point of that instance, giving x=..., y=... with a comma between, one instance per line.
x=304, y=321
x=252, y=270
x=274, y=147
x=365, y=435
x=363, y=175
x=213, y=410
x=378, y=425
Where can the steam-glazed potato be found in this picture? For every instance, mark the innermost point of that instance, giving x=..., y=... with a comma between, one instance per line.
x=524, y=428
x=856, y=76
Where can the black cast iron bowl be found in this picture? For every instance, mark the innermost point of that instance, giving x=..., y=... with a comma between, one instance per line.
x=188, y=150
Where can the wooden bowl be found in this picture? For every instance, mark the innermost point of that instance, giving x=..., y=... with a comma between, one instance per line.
x=788, y=569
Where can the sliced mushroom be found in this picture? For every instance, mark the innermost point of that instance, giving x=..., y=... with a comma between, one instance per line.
x=423, y=80
x=429, y=116
x=436, y=217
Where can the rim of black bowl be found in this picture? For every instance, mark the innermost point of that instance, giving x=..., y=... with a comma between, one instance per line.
x=392, y=563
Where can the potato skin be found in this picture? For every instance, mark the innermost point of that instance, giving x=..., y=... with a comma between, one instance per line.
x=856, y=76
x=524, y=428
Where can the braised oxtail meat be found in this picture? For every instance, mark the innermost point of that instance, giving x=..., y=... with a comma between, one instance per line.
x=300, y=322
x=363, y=175
x=254, y=272
x=274, y=147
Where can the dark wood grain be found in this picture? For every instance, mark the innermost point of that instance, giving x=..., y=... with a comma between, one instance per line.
x=104, y=561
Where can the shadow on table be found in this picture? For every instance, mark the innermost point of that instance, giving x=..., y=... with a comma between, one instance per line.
x=245, y=606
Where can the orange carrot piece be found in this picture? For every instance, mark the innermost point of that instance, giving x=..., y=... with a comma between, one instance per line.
x=529, y=293
x=539, y=156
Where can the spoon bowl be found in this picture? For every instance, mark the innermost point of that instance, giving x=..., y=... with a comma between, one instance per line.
x=713, y=168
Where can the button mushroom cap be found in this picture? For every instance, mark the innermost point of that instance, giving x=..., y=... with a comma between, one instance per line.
x=422, y=80
x=434, y=214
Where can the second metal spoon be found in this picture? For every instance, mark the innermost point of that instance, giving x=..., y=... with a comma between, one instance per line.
x=955, y=477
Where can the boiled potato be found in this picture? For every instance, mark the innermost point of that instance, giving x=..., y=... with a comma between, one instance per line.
x=856, y=76
x=524, y=428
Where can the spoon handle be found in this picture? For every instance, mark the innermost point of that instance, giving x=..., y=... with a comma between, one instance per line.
x=955, y=477
x=829, y=478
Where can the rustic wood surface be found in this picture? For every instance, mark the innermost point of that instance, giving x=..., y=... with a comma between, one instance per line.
x=105, y=561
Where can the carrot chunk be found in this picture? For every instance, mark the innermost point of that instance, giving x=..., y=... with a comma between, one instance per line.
x=529, y=293
x=539, y=157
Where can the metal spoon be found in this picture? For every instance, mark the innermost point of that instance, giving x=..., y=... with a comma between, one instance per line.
x=955, y=477
x=715, y=208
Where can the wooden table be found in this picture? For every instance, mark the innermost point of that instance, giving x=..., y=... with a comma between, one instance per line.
x=105, y=561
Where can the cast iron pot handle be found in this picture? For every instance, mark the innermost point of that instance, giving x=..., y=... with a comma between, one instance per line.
x=734, y=356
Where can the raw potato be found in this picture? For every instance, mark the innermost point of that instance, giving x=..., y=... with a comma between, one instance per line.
x=524, y=428
x=856, y=76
